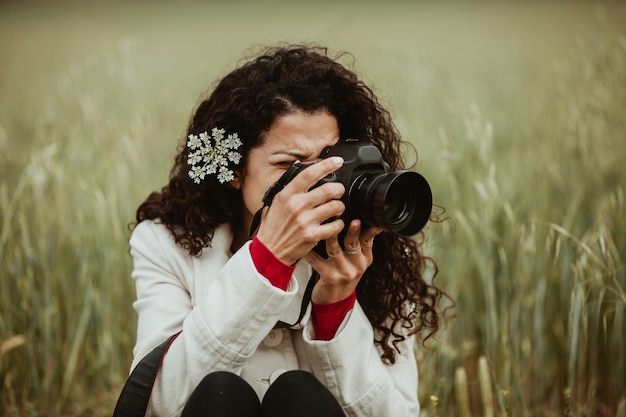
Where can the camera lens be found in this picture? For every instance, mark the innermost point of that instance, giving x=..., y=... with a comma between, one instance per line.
x=399, y=201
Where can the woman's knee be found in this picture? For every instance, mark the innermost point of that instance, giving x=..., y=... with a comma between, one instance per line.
x=222, y=394
x=300, y=393
x=296, y=380
x=222, y=380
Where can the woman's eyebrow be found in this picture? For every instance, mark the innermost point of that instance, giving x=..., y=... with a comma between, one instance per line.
x=294, y=154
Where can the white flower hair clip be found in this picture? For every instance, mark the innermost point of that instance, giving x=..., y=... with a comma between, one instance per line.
x=213, y=158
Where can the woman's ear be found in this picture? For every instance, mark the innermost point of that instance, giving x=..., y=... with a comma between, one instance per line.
x=236, y=182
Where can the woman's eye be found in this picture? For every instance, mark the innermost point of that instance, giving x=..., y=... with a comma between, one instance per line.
x=285, y=164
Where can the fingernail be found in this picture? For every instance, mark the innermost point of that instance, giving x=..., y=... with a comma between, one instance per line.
x=337, y=160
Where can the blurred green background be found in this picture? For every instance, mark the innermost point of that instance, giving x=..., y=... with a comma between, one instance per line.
x=518, y=112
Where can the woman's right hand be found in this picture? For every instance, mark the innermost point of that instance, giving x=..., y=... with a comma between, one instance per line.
x=296, y=220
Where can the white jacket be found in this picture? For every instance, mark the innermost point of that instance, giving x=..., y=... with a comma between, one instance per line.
x=227, y=310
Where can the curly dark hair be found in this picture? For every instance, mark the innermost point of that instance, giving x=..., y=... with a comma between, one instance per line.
x=393, y=292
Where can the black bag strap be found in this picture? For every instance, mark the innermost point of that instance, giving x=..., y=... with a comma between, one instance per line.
x=134, y=398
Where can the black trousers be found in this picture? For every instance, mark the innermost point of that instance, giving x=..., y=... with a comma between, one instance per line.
x=293, y=394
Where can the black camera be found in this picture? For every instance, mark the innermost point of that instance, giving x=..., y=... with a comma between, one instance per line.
x=399, y=202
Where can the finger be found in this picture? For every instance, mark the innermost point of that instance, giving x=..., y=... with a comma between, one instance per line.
x=329, y=230
x=326, y=192
x=315, y=172
x=352, y=242
x=315, y=260
x=333, y=249
x=329, y=210
x=367, y=239
x=321, y=265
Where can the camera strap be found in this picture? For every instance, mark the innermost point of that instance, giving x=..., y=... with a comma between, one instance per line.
x=306, y=299
x=256, y=220
x=269, y=197
x=254, y=225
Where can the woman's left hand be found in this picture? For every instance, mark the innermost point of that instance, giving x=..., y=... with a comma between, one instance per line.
x=341, y=272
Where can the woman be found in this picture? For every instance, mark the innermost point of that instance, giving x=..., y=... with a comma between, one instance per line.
x=249, y=339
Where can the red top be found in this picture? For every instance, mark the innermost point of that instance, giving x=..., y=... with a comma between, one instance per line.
x=326, y=317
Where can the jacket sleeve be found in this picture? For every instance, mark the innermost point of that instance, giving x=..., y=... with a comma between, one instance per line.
x=216, y=335
x=351, y=367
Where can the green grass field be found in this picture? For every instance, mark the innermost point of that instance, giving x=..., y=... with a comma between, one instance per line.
x=519, y=116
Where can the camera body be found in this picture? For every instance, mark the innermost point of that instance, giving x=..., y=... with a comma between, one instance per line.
x=399, y=202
